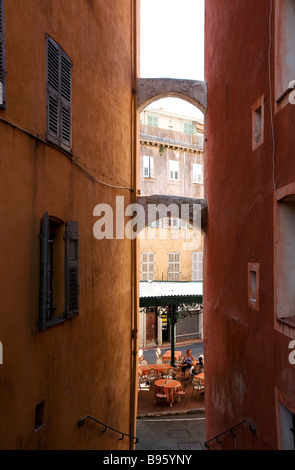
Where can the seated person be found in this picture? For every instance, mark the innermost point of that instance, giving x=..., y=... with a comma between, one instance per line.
x=199, y=367
x=187, y=362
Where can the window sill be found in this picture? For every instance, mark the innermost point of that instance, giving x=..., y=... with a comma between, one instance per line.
x=283, y=100
x=288, y=321
x=285, y=93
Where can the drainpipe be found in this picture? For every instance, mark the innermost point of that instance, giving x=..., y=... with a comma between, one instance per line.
x=134, y=276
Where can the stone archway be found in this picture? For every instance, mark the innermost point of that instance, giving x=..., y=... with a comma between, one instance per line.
x=152, y=89
x=177, y=202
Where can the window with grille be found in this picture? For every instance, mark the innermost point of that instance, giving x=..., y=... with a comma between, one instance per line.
x=59, y=271
x=59, y=95
x=174, y=170
x=173, y=266
x=197, y=268
x=2, y=58
x=197, y=173
x=147, y=266
x=148, y=167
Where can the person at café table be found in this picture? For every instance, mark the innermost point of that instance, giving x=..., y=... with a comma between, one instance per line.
x=187, y=362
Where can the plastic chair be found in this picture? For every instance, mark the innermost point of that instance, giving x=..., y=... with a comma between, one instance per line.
x=158, y=353
x=140, y=356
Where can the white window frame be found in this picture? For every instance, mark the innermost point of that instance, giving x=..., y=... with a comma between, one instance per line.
x=174, y=170
x=197, y=173
x=148, y=166
x=197, y=266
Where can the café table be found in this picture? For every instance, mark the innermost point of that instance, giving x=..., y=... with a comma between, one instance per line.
x=201, y=378
x=161, y=368
x=169, y=386
x=167, y=356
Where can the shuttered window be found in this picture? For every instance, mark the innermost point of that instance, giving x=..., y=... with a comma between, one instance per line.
x=148, y=167
x=2, y=58
x=72, y=270
x=147, y=266
x=197, y=266
x=59, y=95
x=173, y=266
x=59, y=271
x=197, y=173
x=173, y=169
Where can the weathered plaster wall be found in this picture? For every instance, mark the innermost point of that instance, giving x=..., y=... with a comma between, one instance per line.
x=73, y=366
x=246, y=359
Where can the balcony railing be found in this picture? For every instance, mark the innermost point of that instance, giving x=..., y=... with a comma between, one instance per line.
x=170, y=137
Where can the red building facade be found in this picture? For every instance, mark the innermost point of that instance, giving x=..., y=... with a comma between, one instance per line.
x=249, y=247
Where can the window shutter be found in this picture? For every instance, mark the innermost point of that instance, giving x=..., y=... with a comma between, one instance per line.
x=44, y=294
x=72, y=270
x=53, y=111
x=66, y=98
x=2, y=57
x=151, y=161
x=59, y=95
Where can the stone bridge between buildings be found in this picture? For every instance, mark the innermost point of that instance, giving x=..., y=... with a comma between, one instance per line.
x=194, y=92
x=193, y=211
x=152, y=89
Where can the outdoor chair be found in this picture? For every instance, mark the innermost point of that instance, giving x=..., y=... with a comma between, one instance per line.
x=158, y=353
x=169, y=374
x=151, y=377
x=181, y=395
x=198, y=387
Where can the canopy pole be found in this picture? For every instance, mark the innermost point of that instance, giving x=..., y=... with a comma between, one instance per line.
x=173, y=320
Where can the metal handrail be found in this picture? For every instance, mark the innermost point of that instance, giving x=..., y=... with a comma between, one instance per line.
x=251, y=426
x=81, y=422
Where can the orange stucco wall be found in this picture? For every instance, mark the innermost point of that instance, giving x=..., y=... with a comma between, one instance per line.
x=84, y=365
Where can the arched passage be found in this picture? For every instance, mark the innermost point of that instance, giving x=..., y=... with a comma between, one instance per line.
x=183, y=205
x=152, y=89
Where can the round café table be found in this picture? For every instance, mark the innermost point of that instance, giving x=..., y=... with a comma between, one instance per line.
x=201, y=378
x=169, y=386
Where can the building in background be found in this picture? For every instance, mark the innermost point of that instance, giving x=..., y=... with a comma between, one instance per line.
x=171, y=250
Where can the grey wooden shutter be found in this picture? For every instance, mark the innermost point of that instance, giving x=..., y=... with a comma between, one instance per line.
x=44, y=268
x=2, y=58
x=72, y=270
x=66, y=99
x=59, y=95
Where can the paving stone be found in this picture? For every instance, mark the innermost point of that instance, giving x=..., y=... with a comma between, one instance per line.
x=179, y=434
x=190, y=446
